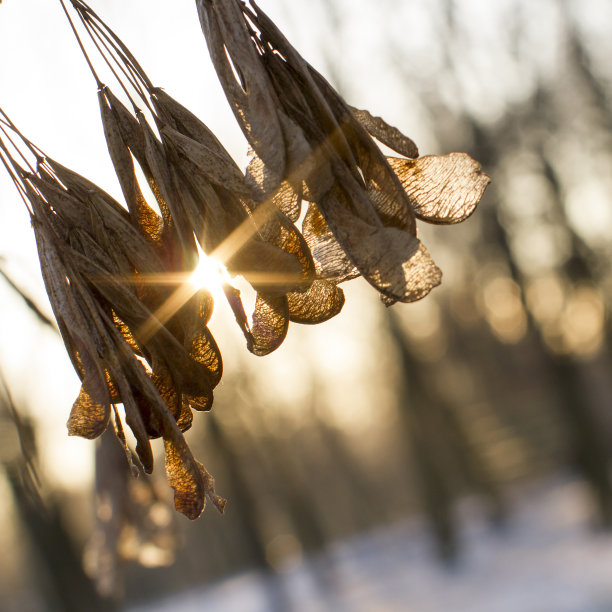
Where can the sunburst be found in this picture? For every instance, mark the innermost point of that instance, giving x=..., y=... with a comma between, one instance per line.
x=210, y=273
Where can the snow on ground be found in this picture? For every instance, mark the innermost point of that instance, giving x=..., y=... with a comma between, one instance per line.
x=547, y=559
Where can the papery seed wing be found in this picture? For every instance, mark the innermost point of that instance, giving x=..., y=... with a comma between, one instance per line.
x=133, y=136
x=205, y=305
x=184, y=419
x=129, y=127
x=131, y=460
x=266, y=267
x=133, y=418
x=120, y=363
x=443, y=189
x=185, y=122
x=322, y=301
x=288, y=202
x=184, y=476
x=142, y=214
x=215, y=167
x=119, y=295
x=209, y=488
x=392, y=260
x=120, y=156
x=270, y=323
x=117, y=229
x=83, y=188
x=389, y=201
x=279, y=231
x=72, y=324
x=209, y=217
x=244, y=80
x=199, y=343
x=293, y=78
x=193, y=210
x=331, y=262
x=88, y=419
x=192, y=377
x=127, y=335
x=203, y=349
x=195, y=313
x=163, y=180
x=385, y=133
x=257, y=177
x=175, y=401
x=69, y=208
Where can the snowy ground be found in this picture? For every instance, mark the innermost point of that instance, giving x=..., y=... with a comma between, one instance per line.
x=548, y=559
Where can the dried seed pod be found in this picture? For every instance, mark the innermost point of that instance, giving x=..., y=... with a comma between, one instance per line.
x=270, y=323
x=385, y=133
x=368, y=213
x=216, y=168
x=245, y=82
x=205, y=192
x=331, y=261
x=267, y=251
x=95, y=262
x=119, y=150
x=322, y=301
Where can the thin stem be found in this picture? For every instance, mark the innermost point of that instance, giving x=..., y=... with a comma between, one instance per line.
x=14, y=176
x=38, y=153
x=90, y=14
x=118, y=55
x=95, y=75
x=100, y=39
x=20, y=153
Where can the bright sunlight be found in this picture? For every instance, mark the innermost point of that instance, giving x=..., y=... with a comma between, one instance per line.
x=209, y=274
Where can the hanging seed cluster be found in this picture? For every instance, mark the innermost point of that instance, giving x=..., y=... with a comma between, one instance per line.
x=309, y=144
x=96, y=267
x=319, y=204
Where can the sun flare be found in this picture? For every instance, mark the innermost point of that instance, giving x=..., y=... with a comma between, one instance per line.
x=209, y=274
